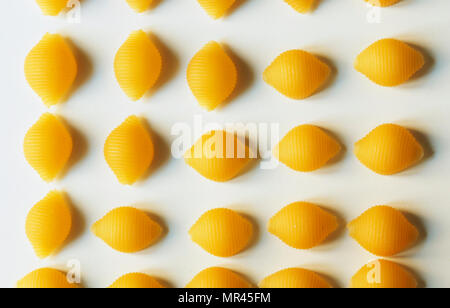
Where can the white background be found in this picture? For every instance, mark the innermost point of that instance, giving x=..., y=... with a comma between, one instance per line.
x=257, y=31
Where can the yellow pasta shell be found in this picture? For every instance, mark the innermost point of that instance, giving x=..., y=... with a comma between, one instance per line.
x=383, y=274
x=306, y=148
x=389, y=62
x=137, y=65
x=136, y=281
x=382, y=3
x=52, y=7
x=218, y=278
x=302, y=225
x=294, y=278
x=212, y=76
x=46, y=278
x=216, y=8
x=297, y=74
x=383, y=231
x=301, y=6
x=222, y=232
x=129, y=150
x=218, y=155
x=48, y=224
x=48, y=146
x=51, y=68
x=127, y=229
x=140, y=6
x=389, y=149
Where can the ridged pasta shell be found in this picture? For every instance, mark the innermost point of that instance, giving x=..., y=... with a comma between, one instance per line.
x=301, y=6
x=137, y=65
x=389, y=149
x=218, y=155
x=294, y=278
x=212, y=76
x=222, y=232
x=306, y=148
x=127, y=229
x=216, y=8
x=140, y=6
x=302, y=225
x=129, y=150
x=48, y=146
x=389, y=62
x=383, y=231
x=383, y=274
x=51, y=68
x=218, y=278
x=297, y=74
x=46, y=278
x=382, y=3
x=48, y=224
x=52, y=7
x=136, y=281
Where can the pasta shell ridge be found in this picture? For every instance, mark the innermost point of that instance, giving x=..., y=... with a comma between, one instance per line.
x=52, y=7
x=140, y=6
x=295, y=278
x=136, y=281
x=218, y=277
x=216, y=8
x=46, y=278
x=301, y=6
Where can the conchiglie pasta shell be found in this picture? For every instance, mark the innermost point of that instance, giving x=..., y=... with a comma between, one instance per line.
x=222, y=232
x=383, y=231
x=382, y=3
x=389, y=149
x=216, y=8
x=52, y=7
x=129, y=150
x=137, y=65
x=140, y=6
x=218, y=277
x=46, y=278
x=51, y=69
x=294, y=278
x=136, y=281
x=297, y=74
x=306, y=148
x=218, y=156
x=389, y=62
x=212, y=76
x=48, y=224
x=383, y=274
x=301, y=6
x=48, y=146
x=127, y=229
x=302, y=225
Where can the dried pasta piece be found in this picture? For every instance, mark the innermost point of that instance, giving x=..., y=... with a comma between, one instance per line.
x=297, y=74
x=127, y=229
x=222, y=232
x=218, y=155
x=218, y=278
x=383, y=231
x=51, y=68
x=306, y=148
x=295, y=278
x=302, y=225
x=382, y=3
x=52, y=7
x=129, y=150
x=216, y=8
x=389, y=149
x=301, y=6
x=212, y=76
x=48, y=224
x=383, y=274
x=137, y=65
x=389, y=62
x=46, y=278
x=140, y=6
x=48, y=146
x=136, y=281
